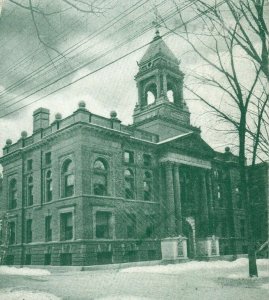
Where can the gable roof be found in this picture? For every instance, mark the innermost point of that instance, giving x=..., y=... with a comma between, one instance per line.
x=188, y=143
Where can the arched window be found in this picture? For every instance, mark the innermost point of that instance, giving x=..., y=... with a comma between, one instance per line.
x=170, y=96
x=100, y=169
x=173, y=92
x=147, y=184
x=151, y=93
x=13, y=194
x=30, y=187
x=150, y=97
x=48, y=186
x=68, y=178
x=129, y=184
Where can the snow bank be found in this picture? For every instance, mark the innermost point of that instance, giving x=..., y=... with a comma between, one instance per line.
x=25, y=295
x=192, y=266
x=23, y=271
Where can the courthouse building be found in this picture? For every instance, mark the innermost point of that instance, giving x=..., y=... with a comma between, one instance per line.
x=87, y=189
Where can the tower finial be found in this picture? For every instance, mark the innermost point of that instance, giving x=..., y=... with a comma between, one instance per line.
x=156, y=22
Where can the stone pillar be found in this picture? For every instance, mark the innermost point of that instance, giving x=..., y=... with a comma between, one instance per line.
x=158, y=84
x=177, y=200
x=204, y=206
x=207, y=246
x=165, y=85
x=163, y=213
x=140, y=96
x=170, y=204
x=210, y=205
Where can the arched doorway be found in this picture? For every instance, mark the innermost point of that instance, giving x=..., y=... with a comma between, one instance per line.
x=189, y=234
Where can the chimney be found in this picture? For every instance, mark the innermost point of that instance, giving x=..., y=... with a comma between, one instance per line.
x=41, y=119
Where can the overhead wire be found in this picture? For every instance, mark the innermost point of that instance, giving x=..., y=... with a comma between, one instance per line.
x=120, y=29
x=69, y=50
x=39, y=50
x=104, y=66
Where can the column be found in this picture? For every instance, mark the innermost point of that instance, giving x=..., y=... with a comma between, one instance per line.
x=204, y=206
x=158, y=83
x=170, y=204
x=211, y=205
x=140, y=96
x=178, y=211
x=163, y=213
x=164, y=85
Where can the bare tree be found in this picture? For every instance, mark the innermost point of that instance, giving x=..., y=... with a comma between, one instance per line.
x=233, y=46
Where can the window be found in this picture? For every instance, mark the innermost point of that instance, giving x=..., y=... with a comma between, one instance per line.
x=48, y=186
x=30, y=196
x=219, y=195
x=12, y=233
x=68, y=178
x=29, y=231
x=104, y=225
x=48, y=230
x=147, y=160
x=48, y=158
x=129, y=184
x=100, y=177
x=129, y=157
x=13, y=194
x=131, y=226
x=170, y=96
x=147, y=186
x=150, y=94
x=66, y=226
x=29, y=165
x=242, y=228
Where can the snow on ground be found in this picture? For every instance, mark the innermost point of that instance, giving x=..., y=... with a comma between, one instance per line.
x=23, y=271
x=194, y=266
x=9, y=294
x=265, y=286
x=123, y=297
x=244, y=275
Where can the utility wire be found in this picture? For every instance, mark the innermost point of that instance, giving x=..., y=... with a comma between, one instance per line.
x=100, y=56
x=38, y=51
x=102, y=67
x=75, y=46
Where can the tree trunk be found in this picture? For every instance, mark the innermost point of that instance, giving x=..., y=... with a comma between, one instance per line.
x=244, y=190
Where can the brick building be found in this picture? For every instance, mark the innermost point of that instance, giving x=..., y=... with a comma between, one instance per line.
x=89, y=190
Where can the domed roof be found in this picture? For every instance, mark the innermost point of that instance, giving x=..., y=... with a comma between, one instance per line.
x=158, y=48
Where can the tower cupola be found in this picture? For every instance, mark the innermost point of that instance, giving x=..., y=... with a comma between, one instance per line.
x=160, y=90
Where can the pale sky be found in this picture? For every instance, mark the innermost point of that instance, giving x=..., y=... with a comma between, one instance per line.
x=26, y=65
